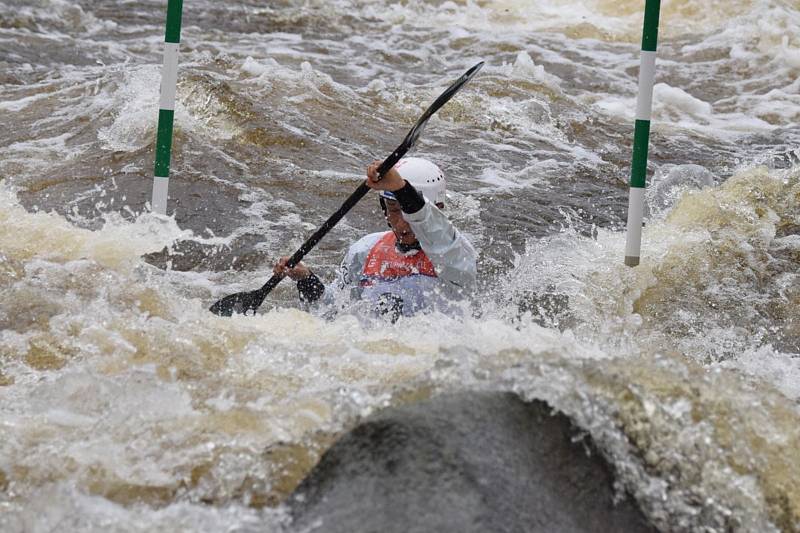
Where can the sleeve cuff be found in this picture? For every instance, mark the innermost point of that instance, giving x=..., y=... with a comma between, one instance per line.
x=410, y=198
x=310, y=288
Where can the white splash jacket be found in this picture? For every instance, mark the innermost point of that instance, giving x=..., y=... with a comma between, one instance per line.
x=378, y=276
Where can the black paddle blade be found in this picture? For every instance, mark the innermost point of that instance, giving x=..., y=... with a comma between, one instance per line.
x=245, y=303
x=443, y=98
x=240, y=303
x=412, y=136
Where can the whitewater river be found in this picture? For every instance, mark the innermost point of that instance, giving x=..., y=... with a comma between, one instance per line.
x=126, y=406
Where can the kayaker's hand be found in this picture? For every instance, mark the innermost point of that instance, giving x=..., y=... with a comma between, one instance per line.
x=391, y=181
x=300, y=271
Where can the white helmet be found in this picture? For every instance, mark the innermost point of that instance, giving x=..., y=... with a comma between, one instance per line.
x=426, y=177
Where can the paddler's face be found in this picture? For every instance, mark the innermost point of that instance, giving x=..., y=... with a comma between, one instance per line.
x=401, y=228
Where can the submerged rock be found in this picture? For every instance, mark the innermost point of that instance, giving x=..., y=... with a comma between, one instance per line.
x=482, y=462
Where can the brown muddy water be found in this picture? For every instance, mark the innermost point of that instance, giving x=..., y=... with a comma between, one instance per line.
x=126, y=406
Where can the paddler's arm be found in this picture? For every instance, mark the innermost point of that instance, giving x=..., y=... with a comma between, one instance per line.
x=450, y=252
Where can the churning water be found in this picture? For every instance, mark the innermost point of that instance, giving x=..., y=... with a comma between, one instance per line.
x=126, y=406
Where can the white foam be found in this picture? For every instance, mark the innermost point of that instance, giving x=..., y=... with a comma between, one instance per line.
x=780, y=370
x=496, y=179
x=300, y=84
x=504, y=16
x=680, y=100
x=20, y=104
x=670, y=182
x=254, y=68
x=676, y=108
x=525, y=68
x=761, y=32
x=116, y=244
x=684, y=252
x=65, y=506
x=135, y=107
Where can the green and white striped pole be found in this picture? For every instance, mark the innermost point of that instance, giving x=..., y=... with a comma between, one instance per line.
x=166, y=112
x=641, y=135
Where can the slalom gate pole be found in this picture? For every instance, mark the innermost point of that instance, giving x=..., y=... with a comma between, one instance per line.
x=641, y=135
x=166, y=112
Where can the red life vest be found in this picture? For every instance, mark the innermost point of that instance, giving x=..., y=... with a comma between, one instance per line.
x=385, y=262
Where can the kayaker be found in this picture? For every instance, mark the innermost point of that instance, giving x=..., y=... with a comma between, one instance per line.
x=423, y=264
